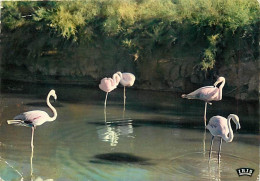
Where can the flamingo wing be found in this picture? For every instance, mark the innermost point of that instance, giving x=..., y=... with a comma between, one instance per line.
x=218, y=126
x=206, y=93
x=128, y=79
x=107, y=84
x=32, y=118
x=209, y=93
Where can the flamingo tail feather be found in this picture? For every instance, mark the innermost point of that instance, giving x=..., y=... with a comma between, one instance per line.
x=14, y=121
x=187, y=96
x=19, y=123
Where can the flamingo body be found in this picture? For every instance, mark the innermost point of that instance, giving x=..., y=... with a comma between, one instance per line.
x=127, y=79
x=221, y=127
x=218, y=126
x=109, y=84
x=32, y=118
x=207, y=94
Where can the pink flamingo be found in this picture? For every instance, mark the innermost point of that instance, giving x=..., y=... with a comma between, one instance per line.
x=35, y=118
x=109, y=84
x=127, y=80
x=220, y=126
x=207, y=94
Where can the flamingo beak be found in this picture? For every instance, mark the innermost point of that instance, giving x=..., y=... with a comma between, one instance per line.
x=216, y=83
x=238, y=126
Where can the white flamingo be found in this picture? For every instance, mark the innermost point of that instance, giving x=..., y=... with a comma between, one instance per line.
x=207, y=94
x=127, y=80
x=220, y=126
x=35, y=118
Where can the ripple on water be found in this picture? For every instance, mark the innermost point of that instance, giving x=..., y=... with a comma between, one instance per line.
x=8, y=172
x=196, y=165
x=78, y=166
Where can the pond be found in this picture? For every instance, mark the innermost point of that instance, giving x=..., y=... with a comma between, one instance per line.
x=159, y=136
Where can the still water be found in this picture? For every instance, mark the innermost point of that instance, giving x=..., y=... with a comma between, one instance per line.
x=159, y=137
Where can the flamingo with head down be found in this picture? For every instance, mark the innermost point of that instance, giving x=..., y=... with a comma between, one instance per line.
x=109, y=84
x=207, y=94
x=127, y=80
x=221, y=127
x=35, y=118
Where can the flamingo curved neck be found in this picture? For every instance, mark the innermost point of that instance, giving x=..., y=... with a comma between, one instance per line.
x=52, y=108
x=116, y=79
x=220, y=89
x=231, y=135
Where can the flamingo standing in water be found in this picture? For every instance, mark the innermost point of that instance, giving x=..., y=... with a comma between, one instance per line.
x=109, y=84
x=35, y=118
x=207, y=94
x=220, y=126
x=127, y=80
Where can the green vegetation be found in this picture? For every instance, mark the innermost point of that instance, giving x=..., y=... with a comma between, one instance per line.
x=40, y=34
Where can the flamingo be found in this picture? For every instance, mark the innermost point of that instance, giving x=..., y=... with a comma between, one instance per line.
x=36, y=117
x=127, y=80
x=220, y=126
x=207, y=94
x=109, y=84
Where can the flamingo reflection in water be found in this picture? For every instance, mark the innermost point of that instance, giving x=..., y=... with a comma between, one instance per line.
x=221, y=127
x=111, y=132
x=207, y=94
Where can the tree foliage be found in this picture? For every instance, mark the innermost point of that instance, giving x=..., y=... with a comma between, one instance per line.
x=141, y=27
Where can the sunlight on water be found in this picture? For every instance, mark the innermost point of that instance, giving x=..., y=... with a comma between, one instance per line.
x=111, y=134
x=159, y=137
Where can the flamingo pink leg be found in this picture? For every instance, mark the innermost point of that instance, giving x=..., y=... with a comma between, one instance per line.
x=205, y=117
x=219, y=150
x=31, y=160
x=124, y=97
x=105, y=104
x=211, y=147
x=32, y=137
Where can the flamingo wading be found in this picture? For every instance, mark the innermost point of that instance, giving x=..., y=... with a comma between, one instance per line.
x=109, y=84
x=207, y=94
x=221, y=127
x=127, y=80
x=36, y=117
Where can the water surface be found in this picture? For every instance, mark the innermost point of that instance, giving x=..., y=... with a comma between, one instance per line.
x=159, y=137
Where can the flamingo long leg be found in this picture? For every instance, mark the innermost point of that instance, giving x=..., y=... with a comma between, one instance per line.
x=205, y=112
x=219, y=150
x=204, y=142
x=32, y=138
x=105, y=115
x=124, y=97
x=211, y=147
x=32, y=163
x=105, y=104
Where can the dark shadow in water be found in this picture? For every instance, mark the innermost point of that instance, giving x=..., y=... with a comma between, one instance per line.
x=120, y=158
x=44, y=104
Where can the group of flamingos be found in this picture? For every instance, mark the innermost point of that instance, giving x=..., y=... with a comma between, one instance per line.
x=217, y=125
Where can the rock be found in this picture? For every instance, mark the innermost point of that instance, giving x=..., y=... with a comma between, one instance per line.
x=253, y=83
